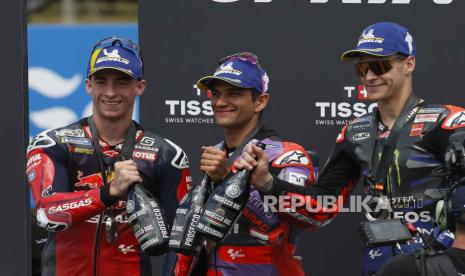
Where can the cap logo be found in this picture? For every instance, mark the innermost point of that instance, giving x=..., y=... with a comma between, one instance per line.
x=227, y=69
x=112, y=56
x=113, y=53
x=409, y=40
x=368, y=36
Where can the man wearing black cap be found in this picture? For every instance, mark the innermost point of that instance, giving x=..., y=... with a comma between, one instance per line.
x=261, y=242
x=396, y=150
x=451, y=262
x=79, y=184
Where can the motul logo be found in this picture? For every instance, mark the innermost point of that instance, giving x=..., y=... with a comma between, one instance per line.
x=348, y=1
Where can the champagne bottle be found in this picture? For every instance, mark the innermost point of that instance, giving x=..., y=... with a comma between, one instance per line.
x=224, y=205
x=147, y=220
x=184, y=238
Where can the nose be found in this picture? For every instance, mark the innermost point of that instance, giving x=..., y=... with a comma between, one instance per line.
x=370, y=75
x=219, y=100
x=110, y=90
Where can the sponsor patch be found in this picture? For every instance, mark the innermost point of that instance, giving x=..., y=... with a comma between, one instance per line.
x=31, y=175
x=76, y=140
x=144, y=155
x=70, y=132
x=431, y=110
x=292, y=157
x=81, y=150
x=180, y=160
x=426, y=118
x=147, y=141
x=361, y=136
x=34, y=161
x=70, y=205
x=92, y=181
x=42, y=140
x=296, y=178
x=457, y=120
x=416, y=129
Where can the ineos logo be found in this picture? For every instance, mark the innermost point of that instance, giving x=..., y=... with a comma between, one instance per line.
x=348, y=1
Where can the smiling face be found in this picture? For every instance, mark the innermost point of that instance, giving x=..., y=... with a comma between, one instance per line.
x=235, y=107
x=113, y=93
x=391, y=83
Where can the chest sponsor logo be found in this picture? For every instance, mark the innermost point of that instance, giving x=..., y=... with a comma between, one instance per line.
x=92, y=181
x=432, y=110
x=426, y=118
x=81, y=150
x=361, y=136
x=147, y=141
x=416, y=129
x=70, y=132
x=151, y=156
x=76, y=140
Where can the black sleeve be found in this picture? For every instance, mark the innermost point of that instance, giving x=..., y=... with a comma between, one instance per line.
x=340, y=172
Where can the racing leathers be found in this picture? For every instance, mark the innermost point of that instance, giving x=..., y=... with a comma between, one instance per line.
x=74, y=205
x=420, y=149
x=263, y=242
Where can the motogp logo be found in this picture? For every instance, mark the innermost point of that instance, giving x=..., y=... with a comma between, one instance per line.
x=440, y=2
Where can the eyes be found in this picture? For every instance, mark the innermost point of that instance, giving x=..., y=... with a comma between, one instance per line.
x=230, y=94
x=119, y=82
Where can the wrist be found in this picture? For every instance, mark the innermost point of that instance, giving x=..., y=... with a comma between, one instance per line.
x=268, y=184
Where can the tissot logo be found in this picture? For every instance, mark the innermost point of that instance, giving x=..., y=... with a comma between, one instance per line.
x=339, y=113
x=349, y=1
x=190, y=111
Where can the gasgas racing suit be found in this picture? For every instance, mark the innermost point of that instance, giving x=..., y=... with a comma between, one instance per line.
x=263, y=242
x=74, y=205
x=421, y=148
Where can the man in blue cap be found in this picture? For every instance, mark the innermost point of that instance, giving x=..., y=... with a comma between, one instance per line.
x=261, y=242
x=395, y=150
x=79, y=183
x=450, y=262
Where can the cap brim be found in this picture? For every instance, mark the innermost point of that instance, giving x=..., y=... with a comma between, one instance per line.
x=204, y=83
x=127, y=72
x=353, y=54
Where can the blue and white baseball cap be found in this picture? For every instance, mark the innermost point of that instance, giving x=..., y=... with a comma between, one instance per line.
x=383, y=39
x=241, y=70
x=116, y=53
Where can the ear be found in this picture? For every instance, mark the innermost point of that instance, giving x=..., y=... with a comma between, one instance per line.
x=410, y=64
x=140, y=88
x=88, y=87
x=261, y=102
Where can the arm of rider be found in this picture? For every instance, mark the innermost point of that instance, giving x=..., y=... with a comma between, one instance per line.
x=255, y=159
x=126, y=174
x=214, y=163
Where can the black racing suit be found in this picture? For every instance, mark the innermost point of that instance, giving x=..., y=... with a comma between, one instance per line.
x=420, y=149
x=73, y=204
